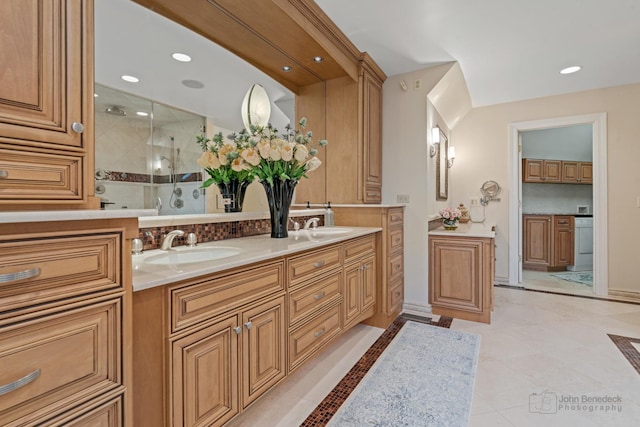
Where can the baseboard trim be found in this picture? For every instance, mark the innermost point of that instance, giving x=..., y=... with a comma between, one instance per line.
x=625, y=294
x=417, y=309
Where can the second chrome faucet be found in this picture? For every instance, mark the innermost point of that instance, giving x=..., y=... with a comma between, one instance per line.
x=168, y=239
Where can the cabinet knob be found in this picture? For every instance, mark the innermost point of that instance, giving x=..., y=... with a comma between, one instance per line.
x=77, y=127
x=4, y=173
x=237, y=330
x=247, y=325
x=318, y=264
x=397, y=294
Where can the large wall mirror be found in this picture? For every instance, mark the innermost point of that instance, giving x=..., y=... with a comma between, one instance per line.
x=140, y=160
x=442, y=170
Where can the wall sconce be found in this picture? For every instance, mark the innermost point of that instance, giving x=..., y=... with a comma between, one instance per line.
x=451, y=155
x=435, y=139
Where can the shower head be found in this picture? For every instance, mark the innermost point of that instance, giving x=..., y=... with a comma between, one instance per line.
x=114, y=110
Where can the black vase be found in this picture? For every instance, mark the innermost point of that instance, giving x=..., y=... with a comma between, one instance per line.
x=279, y=195
x=233, y=191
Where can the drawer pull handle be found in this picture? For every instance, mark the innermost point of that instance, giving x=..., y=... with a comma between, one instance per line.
x=318, y=264
x=7, y=388
x=319, y=296
x=20, y=275
x=237, y=330
x=320, y=332
x=4, y=173
x=562, y=222
x=248, y=325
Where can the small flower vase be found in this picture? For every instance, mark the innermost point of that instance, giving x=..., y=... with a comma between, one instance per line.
x=450, y=224
x=232, y=193
x=279, y=195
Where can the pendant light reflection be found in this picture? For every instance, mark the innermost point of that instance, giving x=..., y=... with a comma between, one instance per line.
x=256, y=107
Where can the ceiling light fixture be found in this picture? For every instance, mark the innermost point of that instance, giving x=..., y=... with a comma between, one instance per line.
x=318, y=59
x=181, y=57
x=570, y=70
x=286, y=68
x=142, y=113
x=130, y=79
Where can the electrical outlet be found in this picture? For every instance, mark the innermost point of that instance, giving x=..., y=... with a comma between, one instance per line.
x=417, y=84
x=402, y=198
x=475, y=201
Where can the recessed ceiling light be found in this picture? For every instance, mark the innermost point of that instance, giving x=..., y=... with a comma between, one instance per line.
x=182, y=57
x=130, y=79
x=318, y=59
x=286, y=68
x=142, y=113
x=571, y=69
x=95, y=95
x=193, y=84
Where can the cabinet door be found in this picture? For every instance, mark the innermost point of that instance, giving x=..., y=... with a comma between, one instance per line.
x=205, y=375
x=586, y=172
x=372, y=135
x=263, y=349
x=532, y=170
x=537, y=240
x=552, y=171
x=570, y=172
x=41, y=86
x=352, y=290
x=563, y=241
x=368, y=290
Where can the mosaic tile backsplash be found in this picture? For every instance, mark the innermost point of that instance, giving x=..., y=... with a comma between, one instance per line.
x=152, y=236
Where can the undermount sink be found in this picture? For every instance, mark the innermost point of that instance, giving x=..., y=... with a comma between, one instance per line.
x=192, y=255
x=328, y=231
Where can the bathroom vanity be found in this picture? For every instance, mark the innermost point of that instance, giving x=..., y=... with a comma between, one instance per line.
x=462, y=271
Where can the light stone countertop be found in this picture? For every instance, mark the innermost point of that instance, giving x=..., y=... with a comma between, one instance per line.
x=470, y=229
x=72, y=215
x=253, y=249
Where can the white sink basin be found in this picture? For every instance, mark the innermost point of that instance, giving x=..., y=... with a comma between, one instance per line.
x=328, y=231
x=192, y=255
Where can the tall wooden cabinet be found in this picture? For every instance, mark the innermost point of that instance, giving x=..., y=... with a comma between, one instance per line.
x=65, y=322
x=46, y=104
x=353, y=159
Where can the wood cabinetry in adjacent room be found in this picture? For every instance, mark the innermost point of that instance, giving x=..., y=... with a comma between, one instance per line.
x=548, y=242
x=461, y=275
x=556, y=171
x=354, y=132
x=46, y=105
x=65, y=325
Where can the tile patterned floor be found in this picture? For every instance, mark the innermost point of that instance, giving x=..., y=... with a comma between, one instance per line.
x=537, y=343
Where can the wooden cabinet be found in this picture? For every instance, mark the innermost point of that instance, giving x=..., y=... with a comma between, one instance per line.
x=577, y=172
x=389, y=256
x=65, y=321
x=359, y=282
x=556, y=171
x=534, y=170
x=461, y=275
x=46, y=105
x=353, y=110
x=548, y=242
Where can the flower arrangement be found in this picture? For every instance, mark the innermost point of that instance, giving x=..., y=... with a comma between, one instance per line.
x=259, y=153
x=450, y=214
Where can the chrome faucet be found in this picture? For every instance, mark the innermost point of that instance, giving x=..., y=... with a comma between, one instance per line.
x=168, y=239
x=311, y=222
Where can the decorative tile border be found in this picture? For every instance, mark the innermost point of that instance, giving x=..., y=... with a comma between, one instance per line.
x=328, y=407
x=152, y=236
x=627, y=349
x=119, y=176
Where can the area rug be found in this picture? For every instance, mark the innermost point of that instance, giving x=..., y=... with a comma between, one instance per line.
x=424, y=378
x=584, y=277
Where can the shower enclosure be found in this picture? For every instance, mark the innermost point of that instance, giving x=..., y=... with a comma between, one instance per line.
x=146, y=154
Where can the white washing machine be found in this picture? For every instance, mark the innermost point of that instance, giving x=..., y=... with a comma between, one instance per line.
x=583, y=244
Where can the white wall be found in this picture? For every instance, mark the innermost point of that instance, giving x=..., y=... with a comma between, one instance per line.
x=563, y=143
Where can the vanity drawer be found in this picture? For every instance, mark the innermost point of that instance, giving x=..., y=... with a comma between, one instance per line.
x=304, y=267
x=396, y=217
x=395, y=296
x=310, y=337
x=34, y=271
x=395, y=239
x=312, y=298
x=68, y=356
x=359, y=247
x=199, y=301
x=30, y=176
x=396, y=266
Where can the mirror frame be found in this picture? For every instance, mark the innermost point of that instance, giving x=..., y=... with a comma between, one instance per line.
x=442, y=160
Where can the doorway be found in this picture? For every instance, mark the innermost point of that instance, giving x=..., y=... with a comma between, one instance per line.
x=600, y=249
